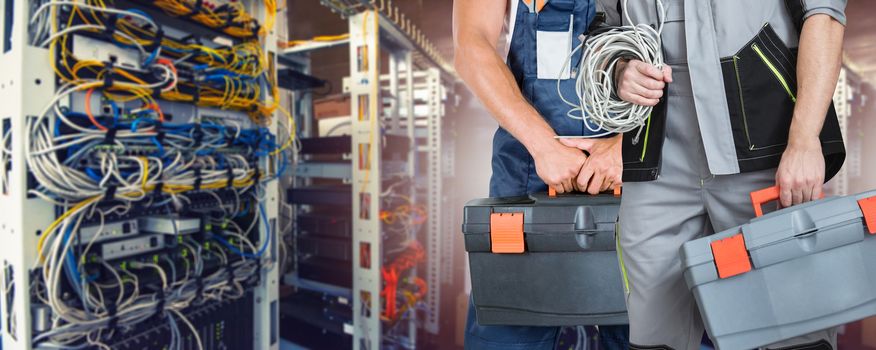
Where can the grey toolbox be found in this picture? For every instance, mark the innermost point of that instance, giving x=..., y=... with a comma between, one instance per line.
x=545, y=261
x=792, y=272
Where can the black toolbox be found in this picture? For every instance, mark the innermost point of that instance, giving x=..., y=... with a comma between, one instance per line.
x=545, y=260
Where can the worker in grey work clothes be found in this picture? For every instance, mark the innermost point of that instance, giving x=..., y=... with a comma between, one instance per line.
x=511, y=55
x=743, y=103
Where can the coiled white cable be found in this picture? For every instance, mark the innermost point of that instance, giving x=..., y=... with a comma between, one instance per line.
x=598, y=105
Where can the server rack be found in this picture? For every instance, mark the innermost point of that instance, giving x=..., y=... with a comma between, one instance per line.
x=397, y=127
x=27, y=87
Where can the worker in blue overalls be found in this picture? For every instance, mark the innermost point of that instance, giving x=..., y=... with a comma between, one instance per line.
x=512, y=53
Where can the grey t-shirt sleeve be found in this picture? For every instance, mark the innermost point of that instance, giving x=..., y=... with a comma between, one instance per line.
x=832, y=8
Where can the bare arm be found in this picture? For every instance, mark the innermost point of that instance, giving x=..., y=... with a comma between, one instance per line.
x=801, y=171
x=477, y=25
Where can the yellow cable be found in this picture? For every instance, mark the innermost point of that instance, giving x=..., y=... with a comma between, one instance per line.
x=231, y=97
x=270, y=17
x=293, y=132
x=58, y=221
x=324, y=38
x=145, y=172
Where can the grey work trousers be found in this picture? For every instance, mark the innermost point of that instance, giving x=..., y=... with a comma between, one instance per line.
x=686, y=202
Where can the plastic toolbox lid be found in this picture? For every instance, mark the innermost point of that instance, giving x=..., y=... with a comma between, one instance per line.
x=789, y=233
x=566, y=223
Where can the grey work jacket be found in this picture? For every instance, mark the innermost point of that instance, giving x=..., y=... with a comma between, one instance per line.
x=741, y=55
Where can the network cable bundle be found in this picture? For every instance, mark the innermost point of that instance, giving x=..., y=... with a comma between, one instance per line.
x=596, y=102
x=156, y=153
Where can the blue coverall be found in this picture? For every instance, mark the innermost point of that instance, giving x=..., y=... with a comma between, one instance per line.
x=549, y=34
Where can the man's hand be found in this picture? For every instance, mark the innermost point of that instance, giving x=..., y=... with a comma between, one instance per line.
x=800, y=176
x=641, y=83
x=558, y=165
x=603, y=169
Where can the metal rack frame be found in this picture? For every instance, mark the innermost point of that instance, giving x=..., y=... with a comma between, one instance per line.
x=386, y=104
x=425, y=52
x=367, y=252
x=435, y=230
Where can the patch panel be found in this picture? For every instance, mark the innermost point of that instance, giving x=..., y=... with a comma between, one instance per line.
x=131, y=247
x=112, y=230
x=218, y=325
x=170, y=225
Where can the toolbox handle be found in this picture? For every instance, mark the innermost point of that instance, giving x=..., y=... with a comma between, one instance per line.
x=552, y=192
x=766, y=195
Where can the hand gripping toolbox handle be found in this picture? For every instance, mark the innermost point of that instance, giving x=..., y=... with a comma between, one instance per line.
x=766, y=195
x=552, y=192
x=731, y=254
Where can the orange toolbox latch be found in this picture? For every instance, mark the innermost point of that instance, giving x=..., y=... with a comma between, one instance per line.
x=868, y=208
x=731, y=257
x=506, y=233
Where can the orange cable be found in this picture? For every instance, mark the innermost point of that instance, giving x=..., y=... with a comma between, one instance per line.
x=88, y=110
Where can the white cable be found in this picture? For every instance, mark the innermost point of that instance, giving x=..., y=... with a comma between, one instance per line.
x=598, y=105
x=42, y=8
x=62, y=183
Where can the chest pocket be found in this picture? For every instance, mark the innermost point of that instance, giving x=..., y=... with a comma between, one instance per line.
x=555, y=28
x=554, y=40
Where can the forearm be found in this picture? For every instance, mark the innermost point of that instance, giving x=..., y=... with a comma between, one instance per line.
x=489, y=78
x=818, y=65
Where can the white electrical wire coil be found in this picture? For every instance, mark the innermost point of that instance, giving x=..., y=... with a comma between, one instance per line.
x=598, y=105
